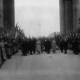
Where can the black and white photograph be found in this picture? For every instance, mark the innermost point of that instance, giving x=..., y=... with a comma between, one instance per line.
x=39, y=39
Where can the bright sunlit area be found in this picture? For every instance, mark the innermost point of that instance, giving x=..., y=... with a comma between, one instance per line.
x=37, y=17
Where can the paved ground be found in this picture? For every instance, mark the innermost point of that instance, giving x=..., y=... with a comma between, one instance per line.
x=57, y=66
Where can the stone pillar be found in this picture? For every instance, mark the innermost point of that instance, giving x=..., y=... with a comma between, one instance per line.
x=12, y=13
x=9, y=13
x=62, y=18
x=5, y=21
x=76, y=13
x=68, y=16
x=1, y=13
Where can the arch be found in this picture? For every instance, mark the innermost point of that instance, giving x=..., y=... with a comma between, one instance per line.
x=69, y=14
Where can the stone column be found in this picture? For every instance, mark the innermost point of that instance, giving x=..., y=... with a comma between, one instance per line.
x=5, y=16
x=68, y=16
x=76, y=13
x=1, y=13
x=62, y=18
x=12, y=13
x=9, y=13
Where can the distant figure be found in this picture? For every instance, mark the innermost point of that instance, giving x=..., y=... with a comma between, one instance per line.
x=38, y=46
x=75, y=46
x=33, y=45
x=3, y=50
x=47, y=46
x=24, y=48
x=53, y=46
x=61, y=45
x=65, y=46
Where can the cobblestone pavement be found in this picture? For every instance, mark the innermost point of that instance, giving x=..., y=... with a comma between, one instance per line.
x=58, y=66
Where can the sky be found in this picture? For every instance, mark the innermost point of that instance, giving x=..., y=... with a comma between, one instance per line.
x=37, y=17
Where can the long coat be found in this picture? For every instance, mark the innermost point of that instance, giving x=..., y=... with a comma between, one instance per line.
x=38, y=46
x=3, y=50
x=53, y=45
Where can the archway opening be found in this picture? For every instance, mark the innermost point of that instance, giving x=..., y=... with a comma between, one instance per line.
x=38, y=17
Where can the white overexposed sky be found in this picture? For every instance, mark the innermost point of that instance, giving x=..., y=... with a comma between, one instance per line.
x=37, y=17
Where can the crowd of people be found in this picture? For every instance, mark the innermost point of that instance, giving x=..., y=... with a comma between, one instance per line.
x=10, y=46
x=10, y=41
x=61, y=42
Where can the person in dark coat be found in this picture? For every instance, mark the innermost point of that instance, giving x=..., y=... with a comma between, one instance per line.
x=33, y=45
x=75, y=46
x=65, y=46
x=27, y=46
x=30, y=46
x=24, y=48
x=47, y=45
x=61, y=45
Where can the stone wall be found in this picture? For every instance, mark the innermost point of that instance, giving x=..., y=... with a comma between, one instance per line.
x=8, y=13
x=70, y=15
x=76, y=13
x=62, y=19
x=66, y=16
x=1, y=13
x=68, y=11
